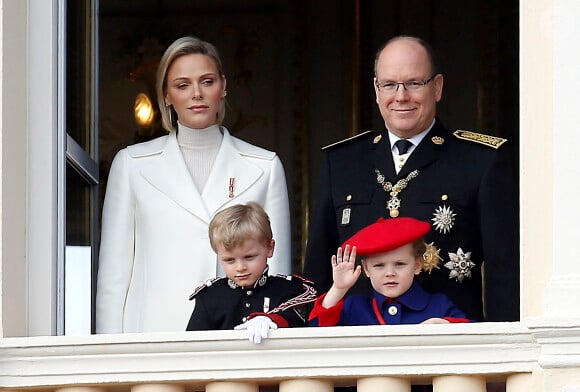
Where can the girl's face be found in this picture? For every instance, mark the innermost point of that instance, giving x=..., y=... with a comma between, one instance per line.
x=392, y=272
x=195, y=89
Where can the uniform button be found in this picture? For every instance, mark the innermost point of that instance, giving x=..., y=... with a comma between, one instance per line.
x=348, y=197
x=392, y=310
x=247, y=305
x=444, y=197
x=244, y=319
x=249, y=292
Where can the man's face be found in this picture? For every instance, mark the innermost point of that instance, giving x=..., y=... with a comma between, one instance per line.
x=406, y=113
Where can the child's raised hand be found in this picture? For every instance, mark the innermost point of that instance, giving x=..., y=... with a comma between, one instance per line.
x=344, y=273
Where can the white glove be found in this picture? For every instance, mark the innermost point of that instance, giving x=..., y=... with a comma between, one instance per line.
x=258, y=328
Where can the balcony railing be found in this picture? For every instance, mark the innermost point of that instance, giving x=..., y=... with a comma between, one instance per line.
x=451, y=357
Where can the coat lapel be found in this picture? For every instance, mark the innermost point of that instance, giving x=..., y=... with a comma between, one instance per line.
x=170, y=176
x=426, y=152
x=230, y=165
x=382, y=157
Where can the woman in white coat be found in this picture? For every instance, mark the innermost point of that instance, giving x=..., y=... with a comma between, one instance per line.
x=162, y=194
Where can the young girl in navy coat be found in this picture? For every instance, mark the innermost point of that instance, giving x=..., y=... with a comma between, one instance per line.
x=393, y=253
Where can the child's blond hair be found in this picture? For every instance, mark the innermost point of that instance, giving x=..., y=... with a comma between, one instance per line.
x=234, y=225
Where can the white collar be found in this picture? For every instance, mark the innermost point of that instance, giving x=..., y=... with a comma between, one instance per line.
x=414, y=139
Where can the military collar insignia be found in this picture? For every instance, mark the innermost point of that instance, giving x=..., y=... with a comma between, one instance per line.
x=486, y=140
x=259, y=283
x=438, y=140
x=232, y=284
x=460, y=265
x=377, y=139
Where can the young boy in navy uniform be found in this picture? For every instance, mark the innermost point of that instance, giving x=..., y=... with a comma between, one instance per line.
x=393, y=253
x=248, y=298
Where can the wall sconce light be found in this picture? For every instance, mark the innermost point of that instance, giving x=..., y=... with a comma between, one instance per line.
x=144, y=112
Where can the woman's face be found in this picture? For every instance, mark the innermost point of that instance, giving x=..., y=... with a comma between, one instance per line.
x=195, y=90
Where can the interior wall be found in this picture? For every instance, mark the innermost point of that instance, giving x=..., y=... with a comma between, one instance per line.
x=290, y=68
x=261, y=47
x=476, y=45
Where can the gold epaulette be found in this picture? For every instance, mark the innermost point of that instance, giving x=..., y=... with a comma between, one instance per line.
x=486, y=140
x=346, y=140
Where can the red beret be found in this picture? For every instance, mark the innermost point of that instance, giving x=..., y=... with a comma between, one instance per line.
x=386, y=235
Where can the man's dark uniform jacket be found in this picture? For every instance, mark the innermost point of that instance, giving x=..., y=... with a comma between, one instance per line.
x=464, y=187
x=221, y=304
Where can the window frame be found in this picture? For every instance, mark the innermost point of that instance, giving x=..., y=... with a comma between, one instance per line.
x=47, y=155
x=32, y=252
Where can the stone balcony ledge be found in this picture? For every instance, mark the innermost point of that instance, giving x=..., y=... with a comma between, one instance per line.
x=347, y=353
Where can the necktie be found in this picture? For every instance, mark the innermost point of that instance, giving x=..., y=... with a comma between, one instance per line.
x=403, y=145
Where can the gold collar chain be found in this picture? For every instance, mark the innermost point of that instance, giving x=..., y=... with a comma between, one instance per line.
x=394, y=202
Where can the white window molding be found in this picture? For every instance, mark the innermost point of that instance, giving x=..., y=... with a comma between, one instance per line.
x=44, y=197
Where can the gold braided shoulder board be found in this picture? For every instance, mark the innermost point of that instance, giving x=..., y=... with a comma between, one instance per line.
x=486, y=140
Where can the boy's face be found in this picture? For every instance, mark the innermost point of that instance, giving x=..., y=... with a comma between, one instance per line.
x=392, y=272
x=245, y=263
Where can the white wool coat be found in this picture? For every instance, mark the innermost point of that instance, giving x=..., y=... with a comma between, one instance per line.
x=155, y=247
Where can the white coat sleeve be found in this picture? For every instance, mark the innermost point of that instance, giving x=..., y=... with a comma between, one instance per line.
x=278, y=209
x=117, y=247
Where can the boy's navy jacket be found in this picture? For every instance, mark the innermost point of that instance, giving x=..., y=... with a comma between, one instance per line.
x=413, y=307
x=221, y=304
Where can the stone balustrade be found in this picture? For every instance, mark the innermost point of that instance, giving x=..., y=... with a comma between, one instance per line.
x=462, y=357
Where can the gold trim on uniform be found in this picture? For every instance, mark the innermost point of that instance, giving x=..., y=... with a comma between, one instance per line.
x=437, y=140
x=460, y=265
x=346, y=140
x=443, y=219
x=486, y=140
x=431, y=257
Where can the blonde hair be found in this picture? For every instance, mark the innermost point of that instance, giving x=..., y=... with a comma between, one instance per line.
x=419, y=247
x=234, y=225
x=181, y=47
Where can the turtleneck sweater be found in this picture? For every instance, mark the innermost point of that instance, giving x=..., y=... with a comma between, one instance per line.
x=199, y=148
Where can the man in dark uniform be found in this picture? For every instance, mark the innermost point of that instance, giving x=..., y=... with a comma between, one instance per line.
x=462, y=182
